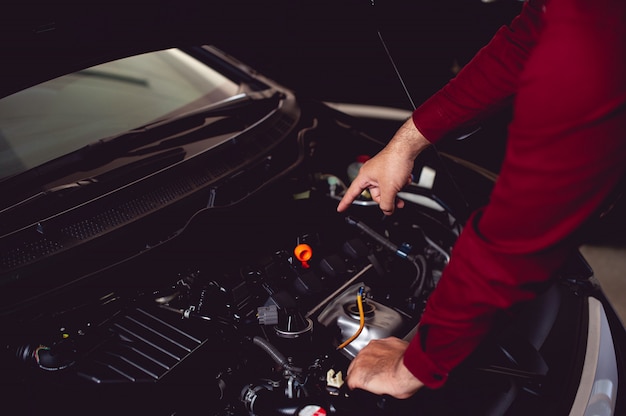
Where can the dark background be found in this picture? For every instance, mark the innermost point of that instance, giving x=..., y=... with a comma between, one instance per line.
x=328, y=49
x=332, y=48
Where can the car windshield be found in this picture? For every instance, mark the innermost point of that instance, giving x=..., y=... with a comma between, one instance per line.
x=64, y=114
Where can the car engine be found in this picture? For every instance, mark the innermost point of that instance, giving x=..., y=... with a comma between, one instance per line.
x=259, y=307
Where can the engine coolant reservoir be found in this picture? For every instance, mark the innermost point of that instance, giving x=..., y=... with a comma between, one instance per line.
x=380, y=321
x=354, y=167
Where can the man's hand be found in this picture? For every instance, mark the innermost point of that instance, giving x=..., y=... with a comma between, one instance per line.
x=389, y=171
x=379, y=369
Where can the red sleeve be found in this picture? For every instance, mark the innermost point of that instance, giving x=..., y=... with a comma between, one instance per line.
x=485, y=84
x=566, y=151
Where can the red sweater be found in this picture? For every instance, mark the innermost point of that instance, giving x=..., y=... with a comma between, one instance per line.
x=562, y=63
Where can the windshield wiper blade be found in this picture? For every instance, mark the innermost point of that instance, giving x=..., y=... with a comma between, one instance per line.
x=215, y=129
x=163, y=129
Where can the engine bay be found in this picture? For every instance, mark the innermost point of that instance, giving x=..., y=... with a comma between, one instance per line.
x=255, y=308
x=255, y=303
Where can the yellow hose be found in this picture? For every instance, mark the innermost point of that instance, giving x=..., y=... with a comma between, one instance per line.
x=359, y=302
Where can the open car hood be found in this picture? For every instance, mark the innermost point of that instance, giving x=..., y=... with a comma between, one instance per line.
x=41, y=40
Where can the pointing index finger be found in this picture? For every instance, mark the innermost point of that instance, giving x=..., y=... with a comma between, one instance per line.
x=351, y=194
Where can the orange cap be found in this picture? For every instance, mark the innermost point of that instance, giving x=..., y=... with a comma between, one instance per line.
x=303, y=252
